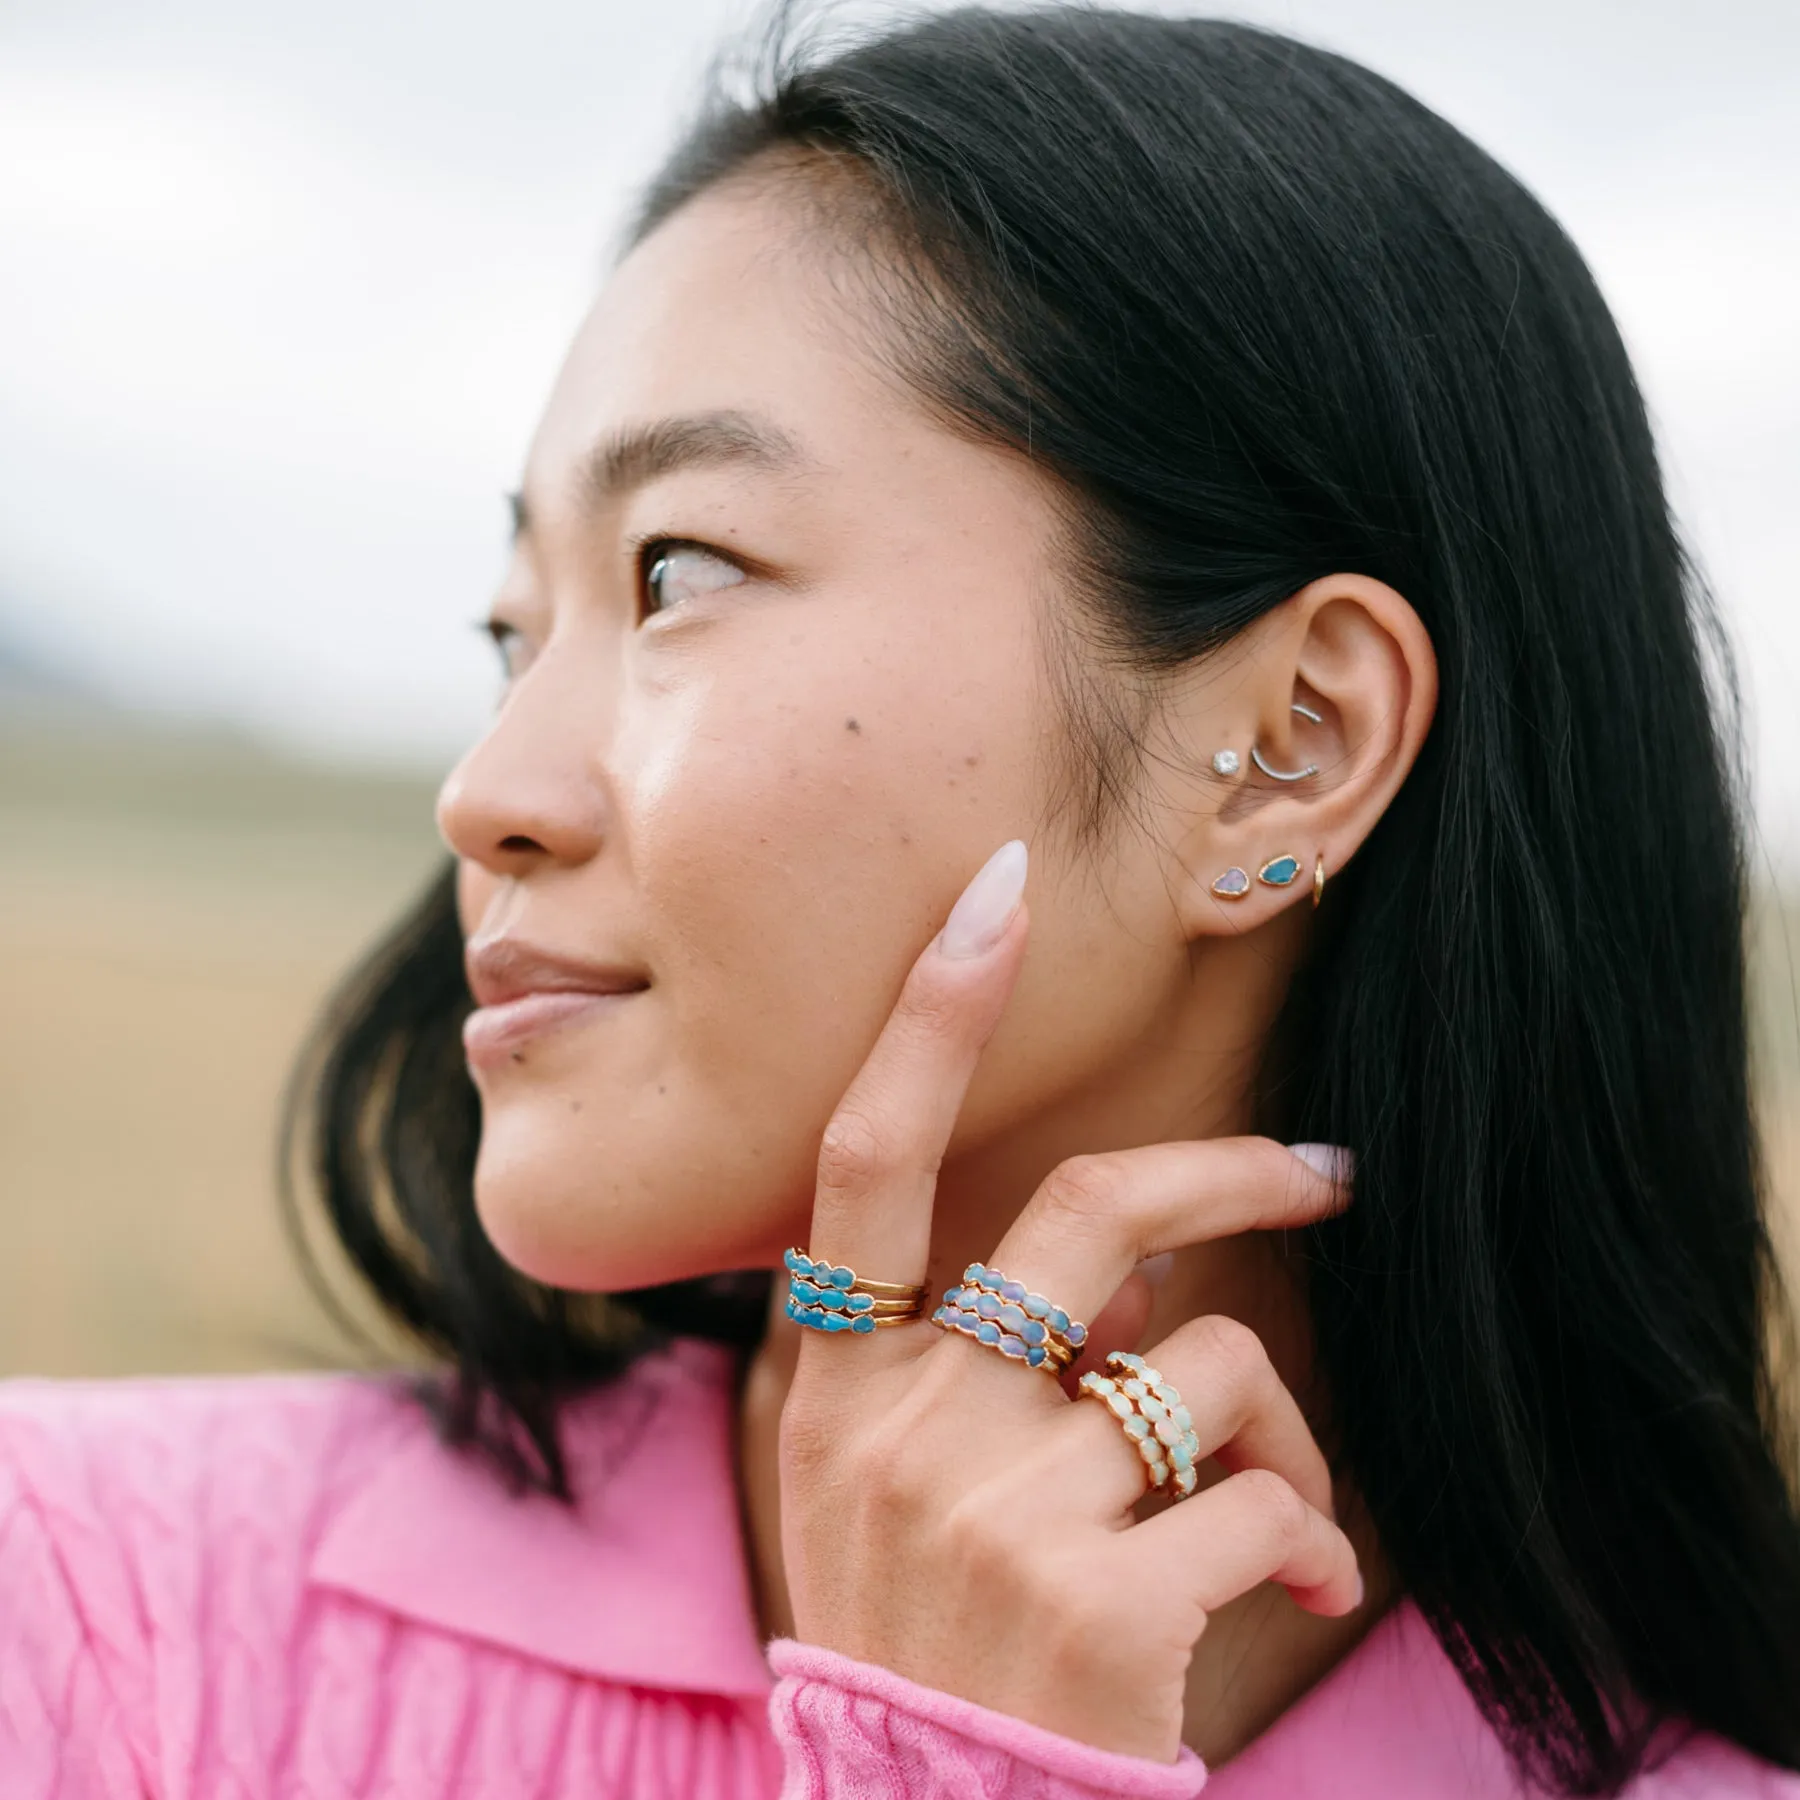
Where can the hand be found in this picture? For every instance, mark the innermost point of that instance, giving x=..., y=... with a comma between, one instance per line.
x=955, y=1516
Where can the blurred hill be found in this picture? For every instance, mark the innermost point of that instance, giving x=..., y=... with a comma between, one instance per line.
x=174, y=907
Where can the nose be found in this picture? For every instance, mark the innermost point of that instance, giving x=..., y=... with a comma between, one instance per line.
x=530, y=791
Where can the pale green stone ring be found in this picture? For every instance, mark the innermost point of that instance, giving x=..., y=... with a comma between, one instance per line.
x=1151, y=1414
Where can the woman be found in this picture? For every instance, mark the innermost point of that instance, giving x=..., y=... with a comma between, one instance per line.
x=1160, y=470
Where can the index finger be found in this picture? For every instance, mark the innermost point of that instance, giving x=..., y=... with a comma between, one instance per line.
x=1094, y=1218
x=882, y=1148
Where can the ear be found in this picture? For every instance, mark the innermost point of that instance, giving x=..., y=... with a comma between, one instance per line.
x=1352, y=651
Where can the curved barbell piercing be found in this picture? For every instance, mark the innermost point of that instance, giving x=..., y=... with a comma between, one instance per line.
x=1256, y=756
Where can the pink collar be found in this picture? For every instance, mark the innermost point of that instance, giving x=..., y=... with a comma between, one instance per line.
x=643, y=1582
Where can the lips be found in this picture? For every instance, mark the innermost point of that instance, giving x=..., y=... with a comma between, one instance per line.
x=523, y=990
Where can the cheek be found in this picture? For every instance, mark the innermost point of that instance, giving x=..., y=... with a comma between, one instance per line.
x=784, y=870
x=781, y=884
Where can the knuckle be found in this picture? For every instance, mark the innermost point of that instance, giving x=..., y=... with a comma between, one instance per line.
x=931, y=1012
x=853, y=1153
x=894, y=1467
x=807, y=1438
x=984, y=1553
x=1235, y=1358
x=1276, y=1506
x=1084, y=1188
x=1072, y=1610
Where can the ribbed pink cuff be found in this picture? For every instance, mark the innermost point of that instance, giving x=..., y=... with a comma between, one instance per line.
x=852, y=1731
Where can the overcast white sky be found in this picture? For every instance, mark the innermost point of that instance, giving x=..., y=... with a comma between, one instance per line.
x=282, y=287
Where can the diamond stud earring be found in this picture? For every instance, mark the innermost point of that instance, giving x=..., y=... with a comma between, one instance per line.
x=1225, y=762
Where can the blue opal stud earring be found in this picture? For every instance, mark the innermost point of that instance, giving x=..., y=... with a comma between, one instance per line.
x=1234, y=884
x=1279, y=871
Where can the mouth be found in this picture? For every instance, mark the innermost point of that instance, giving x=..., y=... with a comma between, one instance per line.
x=524, y=991
x=493, y=1035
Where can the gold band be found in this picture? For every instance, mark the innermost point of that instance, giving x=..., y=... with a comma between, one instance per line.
x=1153, y=1417
x=911, y=1292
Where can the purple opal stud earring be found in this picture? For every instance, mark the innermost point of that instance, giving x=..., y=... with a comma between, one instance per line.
x=1234, y=884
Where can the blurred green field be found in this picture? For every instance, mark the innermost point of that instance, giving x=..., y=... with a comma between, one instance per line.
x=172, y=912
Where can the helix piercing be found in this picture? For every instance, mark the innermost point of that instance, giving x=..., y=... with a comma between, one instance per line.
x=1256, y=756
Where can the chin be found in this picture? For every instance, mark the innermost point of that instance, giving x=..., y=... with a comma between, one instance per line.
x=588, y=1211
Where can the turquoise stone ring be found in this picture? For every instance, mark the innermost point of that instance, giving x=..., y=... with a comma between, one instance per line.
x=825, y=1296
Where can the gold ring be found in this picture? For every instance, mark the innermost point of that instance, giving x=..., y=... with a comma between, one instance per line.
x=828, y=1297
x=1152, y=1415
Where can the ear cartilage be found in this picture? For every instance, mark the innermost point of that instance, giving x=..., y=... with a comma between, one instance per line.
x=1234, y=884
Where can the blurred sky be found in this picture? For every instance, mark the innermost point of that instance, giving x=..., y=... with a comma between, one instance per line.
x=282, y=288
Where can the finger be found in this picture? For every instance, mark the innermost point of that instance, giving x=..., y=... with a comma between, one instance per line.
x=1238, y=1408
x=1120, y=1321
x=881, y=1150
x=1249, y=1528
x=1093, y=1218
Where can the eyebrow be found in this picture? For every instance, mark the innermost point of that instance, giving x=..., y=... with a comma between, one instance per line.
x=635, y=454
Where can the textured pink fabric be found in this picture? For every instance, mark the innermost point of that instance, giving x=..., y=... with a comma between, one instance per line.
x=851, y=1731
x=283, y=1587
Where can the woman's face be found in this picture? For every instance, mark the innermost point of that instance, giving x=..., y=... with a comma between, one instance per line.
x=778, y=688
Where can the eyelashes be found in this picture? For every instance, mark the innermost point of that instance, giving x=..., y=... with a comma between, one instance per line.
x=660, y=560
x=666, y=571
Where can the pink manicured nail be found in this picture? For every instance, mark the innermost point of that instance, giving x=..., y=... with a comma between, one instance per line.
x=981, y=914
x=1332, y=1161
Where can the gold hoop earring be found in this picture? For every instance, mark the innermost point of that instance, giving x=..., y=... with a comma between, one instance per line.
x=1318, y=878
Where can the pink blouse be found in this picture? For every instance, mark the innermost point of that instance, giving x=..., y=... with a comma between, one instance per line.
x=282, y=1587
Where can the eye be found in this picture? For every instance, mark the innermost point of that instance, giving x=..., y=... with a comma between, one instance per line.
x=675, y=570
x=509, y=640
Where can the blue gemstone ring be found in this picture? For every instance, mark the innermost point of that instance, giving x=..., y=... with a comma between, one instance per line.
x=826, y=1296
x=1006, y=1316
x=1151, y=1414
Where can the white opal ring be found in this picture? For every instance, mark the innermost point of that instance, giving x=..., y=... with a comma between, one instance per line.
x=1153, y=1416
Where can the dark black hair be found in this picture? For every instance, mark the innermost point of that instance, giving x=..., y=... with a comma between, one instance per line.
x=1266, y=317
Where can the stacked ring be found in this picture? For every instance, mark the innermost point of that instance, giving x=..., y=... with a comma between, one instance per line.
x=828, y=1297
x=1152, y=1414
x=1006, y=1316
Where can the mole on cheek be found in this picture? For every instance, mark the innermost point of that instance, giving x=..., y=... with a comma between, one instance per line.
x=851, y=725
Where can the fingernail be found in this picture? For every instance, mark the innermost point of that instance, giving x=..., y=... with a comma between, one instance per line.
x=1332, y=1161
x=1155, y=1269
x=986, y=906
